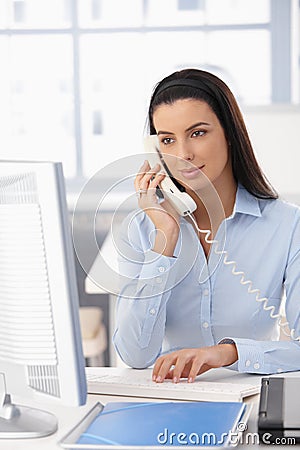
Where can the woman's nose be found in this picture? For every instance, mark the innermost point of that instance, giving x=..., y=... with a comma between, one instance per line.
x=184, y=152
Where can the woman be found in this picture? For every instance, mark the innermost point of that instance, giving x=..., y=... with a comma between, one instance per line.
x=181, y=307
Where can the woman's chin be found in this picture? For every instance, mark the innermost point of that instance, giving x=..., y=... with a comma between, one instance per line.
x=198, y=184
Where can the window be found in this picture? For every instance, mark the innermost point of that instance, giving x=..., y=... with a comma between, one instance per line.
x=190, y=4
x=76, y=75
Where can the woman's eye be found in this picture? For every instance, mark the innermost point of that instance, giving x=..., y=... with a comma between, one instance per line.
x=167, y=141
x=199, y=133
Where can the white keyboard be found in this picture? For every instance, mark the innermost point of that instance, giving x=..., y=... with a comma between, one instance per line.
x=215, y=385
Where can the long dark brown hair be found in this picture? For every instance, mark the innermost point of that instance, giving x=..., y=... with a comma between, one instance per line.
x=218, y=96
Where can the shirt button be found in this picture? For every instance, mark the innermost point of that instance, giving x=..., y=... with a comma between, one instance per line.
x=161, y=269
x=247, y=363
x=158, y=280
x=256, y=366
x=152, y=311
x=205, y=324
x=205, y=292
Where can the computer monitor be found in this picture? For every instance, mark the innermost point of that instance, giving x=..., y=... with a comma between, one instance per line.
x=40, y=341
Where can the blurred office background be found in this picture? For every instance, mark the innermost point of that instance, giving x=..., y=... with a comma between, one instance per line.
x=76, y=77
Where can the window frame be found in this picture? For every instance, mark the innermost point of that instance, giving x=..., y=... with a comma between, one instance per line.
x=281, y=57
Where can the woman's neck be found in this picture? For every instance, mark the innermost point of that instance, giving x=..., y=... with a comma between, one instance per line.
x=215, y=203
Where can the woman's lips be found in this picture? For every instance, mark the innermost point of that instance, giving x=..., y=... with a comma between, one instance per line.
x=191, y=173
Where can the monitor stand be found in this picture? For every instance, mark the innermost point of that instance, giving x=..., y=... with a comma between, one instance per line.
x=19, y=422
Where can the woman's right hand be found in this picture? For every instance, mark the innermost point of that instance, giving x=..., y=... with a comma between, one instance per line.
x=163, y=215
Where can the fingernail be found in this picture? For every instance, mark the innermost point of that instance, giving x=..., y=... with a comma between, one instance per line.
x=175, y=380
x=158, y=379
x=190, y=380
x=154, y=378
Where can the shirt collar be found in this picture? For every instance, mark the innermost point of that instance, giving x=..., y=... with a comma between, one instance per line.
x=246, y=203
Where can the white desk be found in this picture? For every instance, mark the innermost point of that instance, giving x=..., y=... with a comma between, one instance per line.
x=68, y=417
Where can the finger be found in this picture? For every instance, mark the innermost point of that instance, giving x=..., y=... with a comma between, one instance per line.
x=181, y=363
x=160, y=366
x=145, y=167
x=157, y=367
x=186, y=370
x=156, y=180
x=142, y=170
x=144, y=181
x=152, y=171
x=165, y=367
x=196, y=366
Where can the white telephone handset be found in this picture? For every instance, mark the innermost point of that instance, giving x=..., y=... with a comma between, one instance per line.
x=173, y=191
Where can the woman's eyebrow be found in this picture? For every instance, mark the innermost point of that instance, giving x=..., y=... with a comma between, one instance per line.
x=164, y=132
x=198, y=124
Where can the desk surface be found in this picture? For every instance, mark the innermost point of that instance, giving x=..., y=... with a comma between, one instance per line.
x=68, y=417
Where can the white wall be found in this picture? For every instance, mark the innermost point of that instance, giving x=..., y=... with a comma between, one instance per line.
x=275, y=135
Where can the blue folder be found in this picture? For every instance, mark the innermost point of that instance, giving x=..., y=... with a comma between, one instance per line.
x=164, y=424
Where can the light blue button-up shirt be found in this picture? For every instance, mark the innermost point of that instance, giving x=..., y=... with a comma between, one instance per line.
x=185, y=301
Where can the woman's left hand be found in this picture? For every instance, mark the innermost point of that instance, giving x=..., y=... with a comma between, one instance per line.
x=190, y=362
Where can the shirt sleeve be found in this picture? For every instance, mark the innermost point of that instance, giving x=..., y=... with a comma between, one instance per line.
x=266, y=357
x=146, y=282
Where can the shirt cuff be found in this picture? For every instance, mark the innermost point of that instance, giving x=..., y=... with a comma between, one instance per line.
x=250, y=355
x=158, y=271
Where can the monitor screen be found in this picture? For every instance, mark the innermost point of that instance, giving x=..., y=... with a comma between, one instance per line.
x=40, y=341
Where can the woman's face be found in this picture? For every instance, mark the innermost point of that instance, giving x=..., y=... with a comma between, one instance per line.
x=189, y=130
